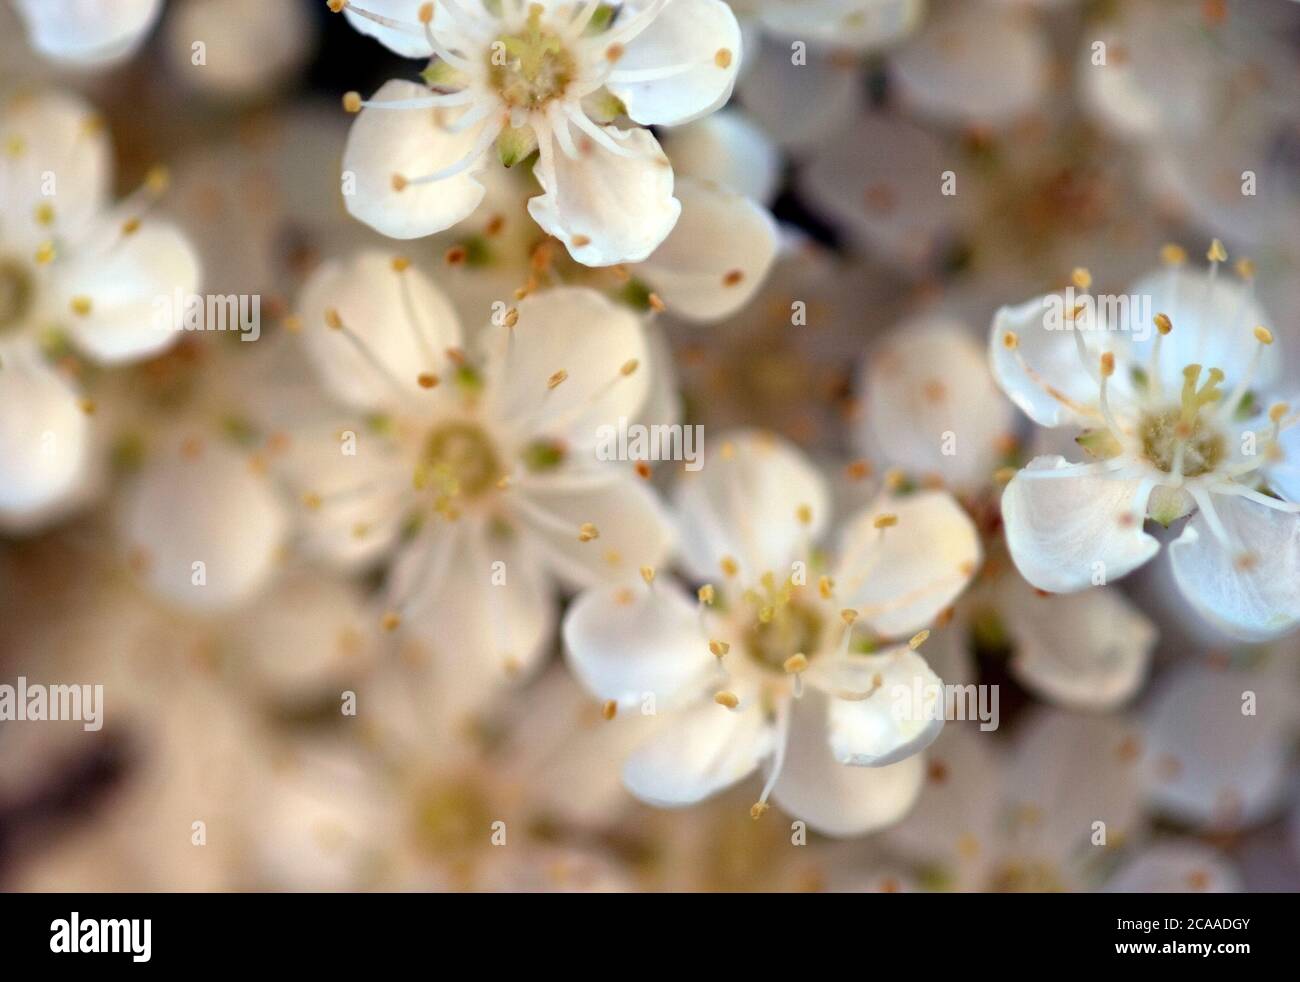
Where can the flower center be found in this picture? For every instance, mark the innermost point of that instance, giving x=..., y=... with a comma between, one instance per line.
x=532, y=67
x=460, y=460
x=17, y=292
x=1184, y=430
x=451, y=818
x=784, y=627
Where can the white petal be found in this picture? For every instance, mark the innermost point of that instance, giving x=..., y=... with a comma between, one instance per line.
x=58, y=135
x=88, y=32
x=1071, y=533
x=635, y=528
x=591, y=340
x=604, y=207
x=1209, y=764
x=137, y=293
x=203, y=529
x=702, y=34
x=407, y=39
x=1284, y=477
x=1249, y=587
x=626, y=642
x=1214, y=325
x=715, y=258
x=834, y=799
x=902, y=715
x=397, y=326
x=861, y=25
x=698, y=753
x=726, y=148
x=974, y=63
x=744, y=504
x=799, y=105
x=1043, y=374
x=900, y=578
x=931, y=405
x=410, y=143
x=483, y=629
x=1087, y=651
x=44, y=437
x=234, y=68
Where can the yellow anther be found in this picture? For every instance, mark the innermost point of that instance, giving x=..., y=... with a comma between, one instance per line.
x=719, y=648
x=352, y=102
x=332, y=319
x=391, y=621
x=629, y=367
x=706, y=594
x=758, y=810
x=401, y=264
x=45, y=253
x=885, y=521
x=426, y=380
x=1217, y=253
x=1173, y=255
x=825, y=586
x=722, y=58
x=728, y=699
x=45, y=214
x=918, y=639
x=1010, y=340
x=1245, y=268
x=1107, y=364
x=609, y=710
x=795, y=664
x=158, y=179
x=1081, y=278
x=426, y=13
x=336, y=5
x=804, y=514
x=1263, y=335
x=766, y=613
x=399, y=182
x=311, y=500
x=648, y=574
x=1163, y=324
x=556, y=378
x=1278, y=412
x=587, y=532
x=729, y=566
x=848, y=615
x=81, y=306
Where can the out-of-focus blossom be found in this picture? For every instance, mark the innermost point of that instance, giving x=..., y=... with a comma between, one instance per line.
x=546, y=77
x=88, y=32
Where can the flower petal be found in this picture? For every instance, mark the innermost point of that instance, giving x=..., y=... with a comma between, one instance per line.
x=395, y=326
x=1086, y=651
x=1042, y=373
x=931, y=405
x=134, y=292
x=698, y=753
x=885, y=707
x=385, y=144
x=702, y=38
x=44, y=438
x=572, y=362
x=861, y=25
x=607, y=208
x=716, y=257
x=728, y=149
x=1248, y=588
x=799, y=105
x=201, y=527
x=627, y=642
x=834, y=799
x=744, y=503
x=406, y=36
x=900, y=578
x=88, y=32
x=1072, y=532
x=1182, y=867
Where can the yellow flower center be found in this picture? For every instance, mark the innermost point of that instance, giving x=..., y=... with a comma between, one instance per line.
x=459, y=460
x=1163, y=432
x=532, y=67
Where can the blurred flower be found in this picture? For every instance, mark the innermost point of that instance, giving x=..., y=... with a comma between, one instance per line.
x=88, y=32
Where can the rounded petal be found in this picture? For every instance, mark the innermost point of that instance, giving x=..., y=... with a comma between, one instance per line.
x=137, y=295
x=626, y=642
x=834, y=799
x=395, y=326
x=974, y=63
x=698, y=753
x=900, y=578
x=235, y=69
x=1071, y=532
x=799, y=105
x=1209, y=762
x=744, y=503
x=44, y=438
x=884, y=708
x=402, y=32
x=1042, y=373
x=1214, y=325
x=861, y=25
x=1248, y=587
x=716, y=257
x=56, y=135
x=701, y=34
x=1182, y=867
x=1284, y=477
x=201, y=527
x=931, y=405
x=635, y=528
x=728, y=149
x=572, y=362
x=484, y=629
x=88, y=32
x=607, y=208
x=409, y=143
x=1086, y=651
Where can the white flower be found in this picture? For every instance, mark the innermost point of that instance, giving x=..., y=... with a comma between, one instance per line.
x=88, y=32
x=471, y=457
x=76, y=270
x=1160, y=404
x=765, y=670
x=546, y=76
